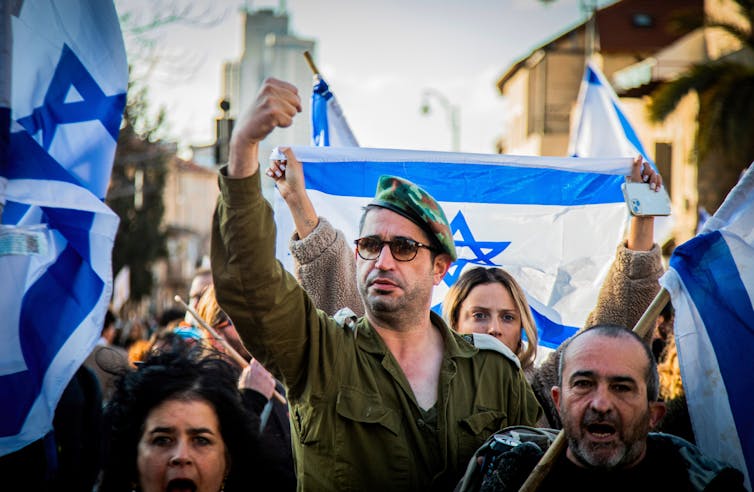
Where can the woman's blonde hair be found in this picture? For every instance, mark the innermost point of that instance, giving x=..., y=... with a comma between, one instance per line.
x=208, y=309
x=459, y=291
x=669, y=369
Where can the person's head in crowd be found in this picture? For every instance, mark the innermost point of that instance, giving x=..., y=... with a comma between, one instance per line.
x=209, y=310
x=202, y=279
x=135, y=330
x=607, y=397
x=167, y=340
x=109, y=331
x=405, y=249
x=664, y=323
x=489, y=300
x=171, y=317
x=178, y=423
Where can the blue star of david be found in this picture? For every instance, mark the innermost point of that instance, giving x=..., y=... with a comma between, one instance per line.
x=484, y=251
x=94, y=104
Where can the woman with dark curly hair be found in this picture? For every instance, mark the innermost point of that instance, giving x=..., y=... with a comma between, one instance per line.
x=178, y=423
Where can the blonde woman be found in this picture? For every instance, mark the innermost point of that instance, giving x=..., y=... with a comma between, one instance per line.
x=489, y=300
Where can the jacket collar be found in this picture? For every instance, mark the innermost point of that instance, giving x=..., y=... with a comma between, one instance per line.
x=455, y=345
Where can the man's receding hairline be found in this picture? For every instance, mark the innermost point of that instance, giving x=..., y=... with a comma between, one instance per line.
x=624, y=334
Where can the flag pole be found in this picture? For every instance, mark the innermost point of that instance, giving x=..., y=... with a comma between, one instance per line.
x=230, y=350
x=310, y=62
x=643, y=327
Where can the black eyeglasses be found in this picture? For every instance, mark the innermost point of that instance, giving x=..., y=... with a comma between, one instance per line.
x=402, y=248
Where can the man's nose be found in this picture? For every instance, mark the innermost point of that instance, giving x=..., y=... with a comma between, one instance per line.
x=385, y=260
x=601, y=401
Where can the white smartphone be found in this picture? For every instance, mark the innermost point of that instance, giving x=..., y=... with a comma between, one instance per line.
x=643, y=201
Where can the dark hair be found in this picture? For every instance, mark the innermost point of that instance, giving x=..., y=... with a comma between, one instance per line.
x=109, y=319
x=169, y=315
x=186, y=374
x=652, y=379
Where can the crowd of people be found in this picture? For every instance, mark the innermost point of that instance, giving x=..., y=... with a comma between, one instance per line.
x=340, y=377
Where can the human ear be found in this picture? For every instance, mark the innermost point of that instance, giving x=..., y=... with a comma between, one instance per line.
x=657, y=411
x=555, y=393
x=440, y=267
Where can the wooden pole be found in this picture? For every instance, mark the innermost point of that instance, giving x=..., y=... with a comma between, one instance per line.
x=642, y=328
x=310, y=62
x=226, y=346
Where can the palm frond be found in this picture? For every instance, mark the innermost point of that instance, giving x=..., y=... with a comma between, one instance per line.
x=726, y=121
x=699, y=77
x=741, y=34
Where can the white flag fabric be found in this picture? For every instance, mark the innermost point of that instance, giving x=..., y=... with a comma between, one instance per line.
x=711, y=284
x=329, y=125
x=603, y=130
x=60, y=120
x=550, y=222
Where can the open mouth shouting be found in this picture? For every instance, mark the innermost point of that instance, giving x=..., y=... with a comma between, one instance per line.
x=601, y=431
x=181, y=485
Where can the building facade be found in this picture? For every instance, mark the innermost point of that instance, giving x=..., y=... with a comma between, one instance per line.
x=270, y=50
x=638, y=44
x=189, y=197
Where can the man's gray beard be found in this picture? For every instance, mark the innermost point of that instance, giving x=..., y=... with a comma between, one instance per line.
x=624, y=453
x=583, y=452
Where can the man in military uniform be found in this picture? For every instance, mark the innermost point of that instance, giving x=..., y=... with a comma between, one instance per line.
x=400, y=402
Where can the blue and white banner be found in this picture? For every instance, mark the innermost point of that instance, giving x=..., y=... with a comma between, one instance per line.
x=61, y=115
x=550, y=222
x=711, y=284
x=602, y=129
x=329, y=125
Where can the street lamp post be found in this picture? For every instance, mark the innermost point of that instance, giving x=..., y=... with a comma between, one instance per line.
x=453, y=114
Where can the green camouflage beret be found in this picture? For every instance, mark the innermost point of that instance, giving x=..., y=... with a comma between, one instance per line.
x=418, y=206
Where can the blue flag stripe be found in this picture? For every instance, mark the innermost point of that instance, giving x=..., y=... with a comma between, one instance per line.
x=477, y=183
x=30, y=161
x=320, y=126
x=713, y=281
x=551, y=334
x=52, y=308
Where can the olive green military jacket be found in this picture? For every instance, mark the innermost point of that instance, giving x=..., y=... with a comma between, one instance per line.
x=355, y=424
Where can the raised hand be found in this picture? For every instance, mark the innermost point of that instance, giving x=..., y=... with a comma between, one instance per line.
x=275, y=106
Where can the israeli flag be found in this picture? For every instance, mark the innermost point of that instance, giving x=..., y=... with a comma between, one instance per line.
x=603, y=130
x=551, y=222
x=61, y=113
x=329, y=125
x=711, y=284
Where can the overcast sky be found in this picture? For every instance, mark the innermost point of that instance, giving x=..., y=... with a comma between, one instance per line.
x=378, y=57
